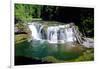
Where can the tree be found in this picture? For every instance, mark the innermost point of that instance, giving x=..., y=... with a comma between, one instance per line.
x=26, y=12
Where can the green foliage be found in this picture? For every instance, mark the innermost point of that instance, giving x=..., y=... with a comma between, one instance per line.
x=26, y=12
x=88, y=55
x=88, y=26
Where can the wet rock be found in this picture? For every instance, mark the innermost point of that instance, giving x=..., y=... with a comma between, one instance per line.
x=88, y=42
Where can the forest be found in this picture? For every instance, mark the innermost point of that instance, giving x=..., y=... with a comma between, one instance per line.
x=35, y=52
x=82, y=17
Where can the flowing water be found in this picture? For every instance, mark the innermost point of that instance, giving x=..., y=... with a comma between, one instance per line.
x=53, y=34
x=58, y=41
x=55, y=41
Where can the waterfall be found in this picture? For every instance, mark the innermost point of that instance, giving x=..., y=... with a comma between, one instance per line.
x=36, y=30
x=69, y=35
x=53, y=34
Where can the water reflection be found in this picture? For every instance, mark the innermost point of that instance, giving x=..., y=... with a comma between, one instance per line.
x=47, y=52
x=42, y=49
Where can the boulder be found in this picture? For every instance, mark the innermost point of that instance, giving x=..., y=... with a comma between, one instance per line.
x=88, y=42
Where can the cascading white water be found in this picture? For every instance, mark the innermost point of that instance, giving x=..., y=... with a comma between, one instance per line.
x=58, y=34
x=70, y=35
x=35, y=29
x=54, y=34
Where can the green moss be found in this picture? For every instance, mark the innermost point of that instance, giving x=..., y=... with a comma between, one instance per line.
x=88, y=55
x=20, y=38
x=50, y=59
